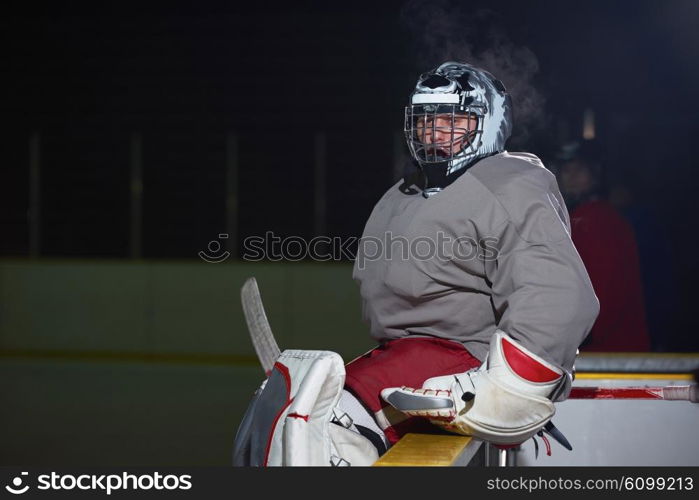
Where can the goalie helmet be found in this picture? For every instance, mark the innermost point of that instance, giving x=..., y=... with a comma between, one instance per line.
x=456, y=115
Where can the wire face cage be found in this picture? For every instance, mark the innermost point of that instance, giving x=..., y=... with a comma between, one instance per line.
x=442, y=132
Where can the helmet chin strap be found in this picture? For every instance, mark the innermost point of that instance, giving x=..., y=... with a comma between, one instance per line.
x=436, y=177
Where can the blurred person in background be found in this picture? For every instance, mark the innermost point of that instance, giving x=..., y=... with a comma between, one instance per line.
x=655, y=258
x=607, y=245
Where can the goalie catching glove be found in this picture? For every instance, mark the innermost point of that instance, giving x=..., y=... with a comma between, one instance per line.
x=505, y=401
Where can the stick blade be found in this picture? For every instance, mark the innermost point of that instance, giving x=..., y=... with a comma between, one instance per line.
x=260, y=330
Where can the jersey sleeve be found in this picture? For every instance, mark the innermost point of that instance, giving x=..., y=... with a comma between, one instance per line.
x=541, y=292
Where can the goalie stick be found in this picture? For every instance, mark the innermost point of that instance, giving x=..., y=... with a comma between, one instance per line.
x=260, y=331
x=667, y=393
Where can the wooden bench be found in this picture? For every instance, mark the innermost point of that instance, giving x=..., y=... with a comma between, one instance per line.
x=434, y=450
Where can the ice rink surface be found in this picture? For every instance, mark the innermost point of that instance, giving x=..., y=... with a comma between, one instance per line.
x=82, y=413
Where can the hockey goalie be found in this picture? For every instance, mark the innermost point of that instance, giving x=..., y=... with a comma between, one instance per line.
x=477, y=323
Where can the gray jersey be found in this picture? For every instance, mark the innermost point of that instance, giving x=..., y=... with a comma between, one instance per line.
x=492, y=250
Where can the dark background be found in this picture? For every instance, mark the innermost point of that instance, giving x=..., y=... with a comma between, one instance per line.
x=87, y=77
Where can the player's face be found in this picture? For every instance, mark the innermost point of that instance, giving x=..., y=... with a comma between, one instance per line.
x=446, y=134
x=576, y=178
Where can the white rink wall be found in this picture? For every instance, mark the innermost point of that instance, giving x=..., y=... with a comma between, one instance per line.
x=622, y=432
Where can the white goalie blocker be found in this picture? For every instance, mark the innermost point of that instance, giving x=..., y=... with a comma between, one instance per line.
x=294, y=420
x=505, y=401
